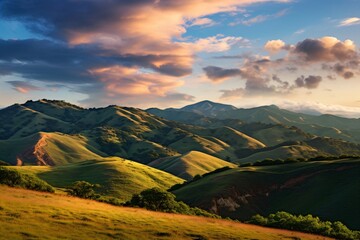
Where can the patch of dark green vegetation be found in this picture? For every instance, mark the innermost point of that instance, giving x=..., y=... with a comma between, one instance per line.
x=308, y=223
x=83, y=189
x=157, y=200
x=271, y=162
x=197, y=178
x=13, y=178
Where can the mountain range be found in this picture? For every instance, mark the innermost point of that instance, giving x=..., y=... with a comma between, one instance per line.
x=127, y=150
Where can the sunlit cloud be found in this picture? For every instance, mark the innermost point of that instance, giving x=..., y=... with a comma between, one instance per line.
x=123, y=48
x=23, y=87
x=349, y=22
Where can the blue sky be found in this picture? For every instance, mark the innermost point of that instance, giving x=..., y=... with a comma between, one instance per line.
x=298, y=54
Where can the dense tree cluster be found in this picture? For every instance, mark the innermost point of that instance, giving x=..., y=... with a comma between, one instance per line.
x=157, y=200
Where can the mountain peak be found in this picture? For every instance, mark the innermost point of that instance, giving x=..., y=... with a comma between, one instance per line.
x=208, y=108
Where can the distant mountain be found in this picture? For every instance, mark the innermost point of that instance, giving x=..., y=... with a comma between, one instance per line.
x=321, y=125
x=208, y=108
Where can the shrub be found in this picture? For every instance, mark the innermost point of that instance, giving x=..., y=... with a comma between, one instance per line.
x=157, y=200
x=14, y=178
x=83, y=189
x=306, y=223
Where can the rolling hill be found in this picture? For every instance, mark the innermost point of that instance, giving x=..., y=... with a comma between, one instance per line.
x=117, y=177
x=326, y=189
x=51, y=132
x=190, y=164
x=26, y=214
x=47, y=149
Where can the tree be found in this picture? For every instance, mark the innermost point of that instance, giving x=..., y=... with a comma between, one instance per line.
x=154, y=199
x=83, y=189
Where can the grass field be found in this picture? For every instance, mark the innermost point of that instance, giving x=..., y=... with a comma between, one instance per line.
x=26, y=214
x=117, y=177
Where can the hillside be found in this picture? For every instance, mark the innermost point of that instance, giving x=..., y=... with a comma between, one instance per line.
x=190, y=164
x=117, y=177
x=41, y=214
x=325, y=189
x=303, y=150
x=47, y=149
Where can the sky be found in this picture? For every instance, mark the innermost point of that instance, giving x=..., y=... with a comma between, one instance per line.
x=301, y=55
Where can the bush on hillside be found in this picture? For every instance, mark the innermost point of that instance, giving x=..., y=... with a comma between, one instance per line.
x=306, y=223
x=14, y=178
x=157, y=200
x=83, y=189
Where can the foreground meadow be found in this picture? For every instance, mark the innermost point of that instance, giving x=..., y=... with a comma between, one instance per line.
x=27, y=214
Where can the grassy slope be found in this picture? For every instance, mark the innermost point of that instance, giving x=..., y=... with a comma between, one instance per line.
x=30, y=215
x=10, y=149
x=326, y=189
x=283, y=152
x=190, y=164
x=56, y=149
x=207, y=145
x=117, y=177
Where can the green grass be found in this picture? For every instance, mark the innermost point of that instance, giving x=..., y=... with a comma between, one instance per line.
x=328, y=189
x=118, y=177
x=52, y=148
x=283, y=152
x=33, y=215
x=190, y=164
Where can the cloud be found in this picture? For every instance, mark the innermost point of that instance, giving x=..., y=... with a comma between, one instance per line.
x=204, y=22
x=325, y=49
x=232, y=94
x=274, y=46
x=318, y=108
x=349, y=22
x=217, y=43
x=300, y=31
x=143, y=36
x=310, y=82
x=218, y=73
x=259, y=18
x=23, y=87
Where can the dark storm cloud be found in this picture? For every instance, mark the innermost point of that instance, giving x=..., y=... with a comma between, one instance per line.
x=49, y=61
x=218, y=73
x=54, y=18
x=310, y=82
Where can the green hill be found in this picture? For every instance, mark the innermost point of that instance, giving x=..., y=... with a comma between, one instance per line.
x=296, y=151
x=47, y=149
x=26, y=214
x=118, y=177
x=327, y=189
x=190, y=164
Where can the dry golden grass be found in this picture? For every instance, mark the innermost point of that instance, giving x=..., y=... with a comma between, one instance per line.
x=26, y=214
